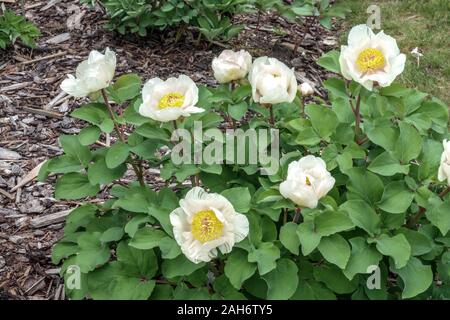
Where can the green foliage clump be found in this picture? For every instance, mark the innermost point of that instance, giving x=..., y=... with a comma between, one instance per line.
x=384, y=210
x=13, y=27
x=214, y=19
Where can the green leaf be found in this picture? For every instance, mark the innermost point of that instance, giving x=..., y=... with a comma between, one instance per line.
x=309, y=238
x=64, y=164
x=365, y=184
x=289, y=238
x=149, y=130
x=416, y=277
x=116, y=155
x=362, y=256
x=429, y=159
x=396, y=247
x=127, y=86
x=72, y=147
x=335, y=249
x=384, y=135
x=80, y=217
x=182, y=292
x=312, y=290
x=180, y=266
x=323, y=119
x=162, y=292
x=386, y=165
x=396, y=197
x=269, y=195
x=336, y=88
x=133, y=225
x=95, y=113
x=420, y=244
x=439, y=216
x=138, y=263
x=112, y=282
x=112, y=234
x=282, y=281
x=167, y=202
x=92, y=252
x=238, y=269
x=169, y=248
x=89, y=135
x=147, y=238
x=74, y=186
x=239, y=197
x=362, y=215
x=334, y=279
x=136, y=199
x=237, y=111
x=395, y=90
x=63, y=250
x=330, y=61
x=99, y=173
x=409, y=143
x=331, y=222
x=438, y=112
x=145, y=149
x=265, y=256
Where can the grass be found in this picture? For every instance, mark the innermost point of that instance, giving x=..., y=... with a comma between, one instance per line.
x=424, y=24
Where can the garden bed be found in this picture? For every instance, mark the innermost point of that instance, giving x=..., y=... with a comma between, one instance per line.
x=31, y=119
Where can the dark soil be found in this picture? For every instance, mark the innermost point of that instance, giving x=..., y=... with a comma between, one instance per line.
x=30, y=125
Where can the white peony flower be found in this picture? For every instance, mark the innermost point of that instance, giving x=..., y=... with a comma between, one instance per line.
x=371, y=58
x=305, y=89
x=205, y=222
x=231, y=65
x=168, y=100
x=93, y=74
x=272, y=81
x=307, y=181
x=444, y=168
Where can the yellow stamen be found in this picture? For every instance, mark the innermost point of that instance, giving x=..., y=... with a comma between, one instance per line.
x=308, y=182
x=205, y=226
x=171, y=100
x=370, y=60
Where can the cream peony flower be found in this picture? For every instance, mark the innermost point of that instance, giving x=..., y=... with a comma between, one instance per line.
x=371, y=58
x=231, y=65
x=272, y=81
x=168, y=100
x=206, y=222
x=93, y=74
x=305, y=89
x=307, y=181
x=444, y=168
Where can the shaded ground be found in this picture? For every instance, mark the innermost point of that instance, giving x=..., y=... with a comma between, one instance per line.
x=30, y=122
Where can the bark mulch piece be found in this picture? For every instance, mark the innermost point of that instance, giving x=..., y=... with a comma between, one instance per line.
x=34, y=113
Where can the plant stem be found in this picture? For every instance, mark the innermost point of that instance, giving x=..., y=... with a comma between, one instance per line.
x=302, y=107
x=122, y=138
x=272, y=119
x=444, y=193
x=413, y=221
x=297, y=215
x=357, y=117
x=285, y=216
